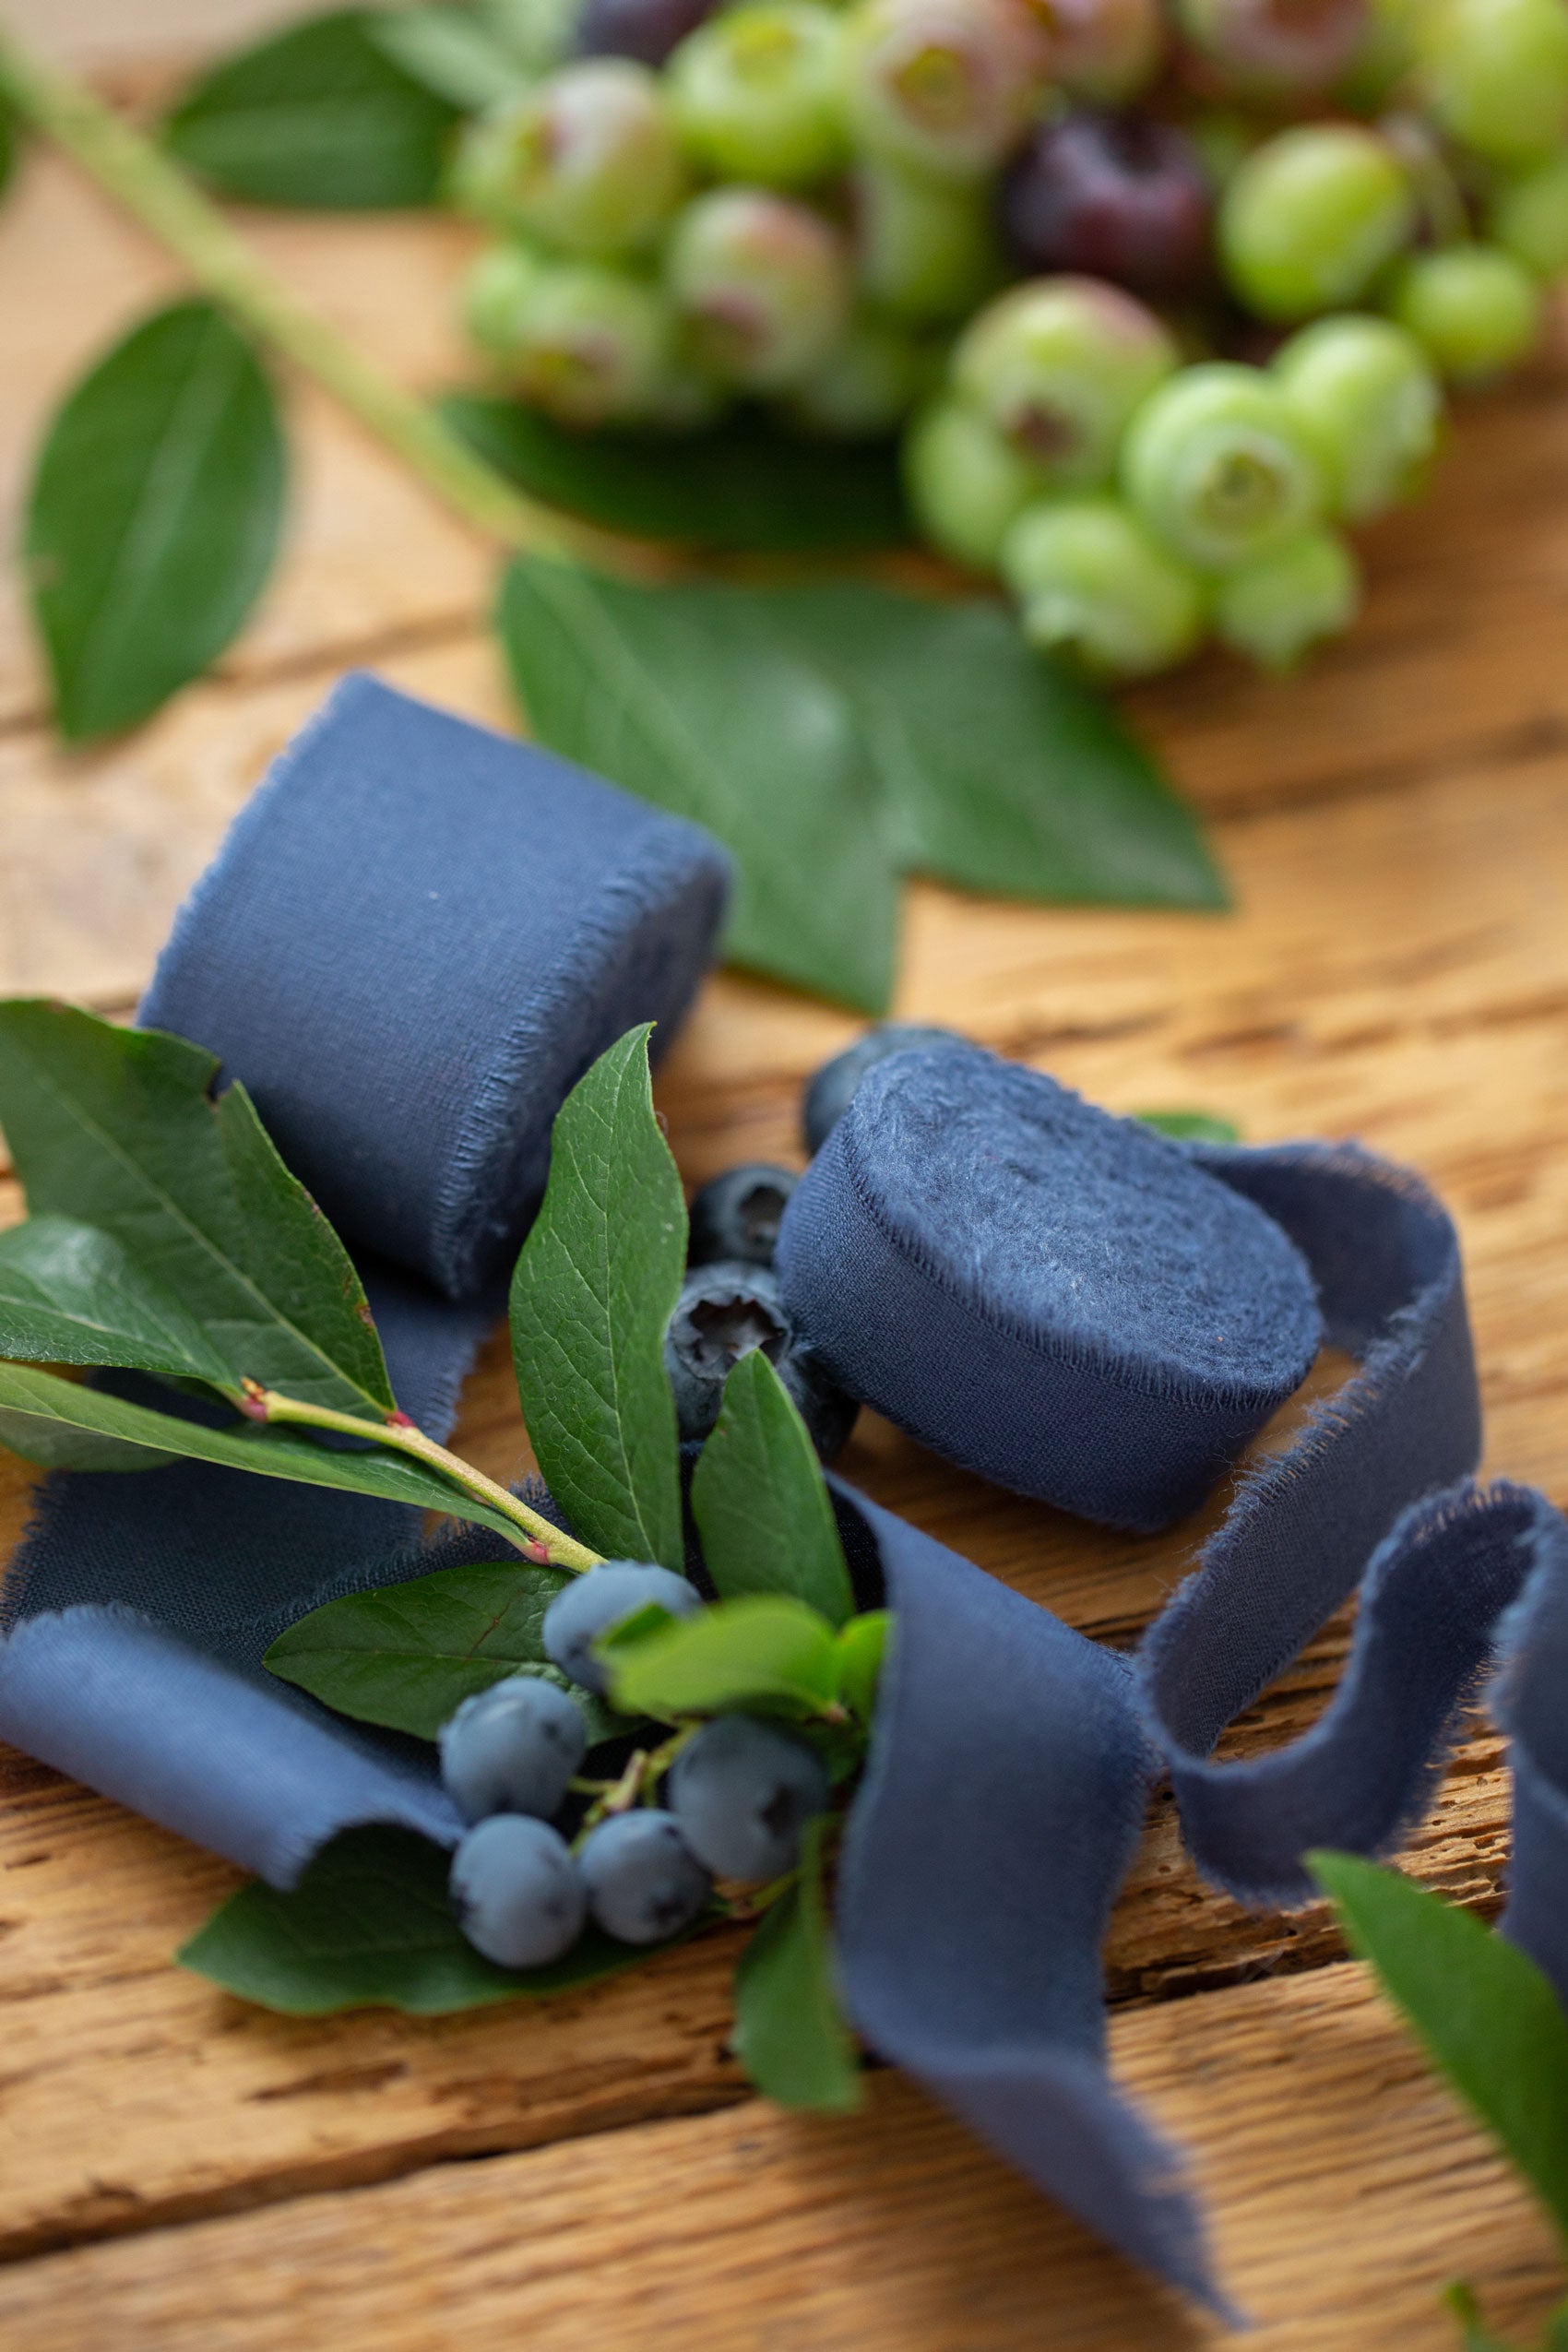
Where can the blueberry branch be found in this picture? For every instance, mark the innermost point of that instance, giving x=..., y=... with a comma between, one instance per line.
x=154, y=189
x=536, y=1538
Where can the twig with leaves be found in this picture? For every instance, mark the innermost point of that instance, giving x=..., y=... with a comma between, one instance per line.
x=168, y=1238
x=835, y=735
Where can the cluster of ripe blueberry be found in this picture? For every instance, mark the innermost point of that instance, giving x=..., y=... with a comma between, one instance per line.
x=736, y=1792
x=954, y=218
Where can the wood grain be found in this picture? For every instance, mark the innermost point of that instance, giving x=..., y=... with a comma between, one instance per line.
x=1396, y=821
x=1346, y=2186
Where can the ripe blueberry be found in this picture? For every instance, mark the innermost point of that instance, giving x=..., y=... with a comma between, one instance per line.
x=828, y=1095
x=591, y=1605
x=512, y=1748
x=741, y=1792
x=736, y=1217
x=518, y=1894
x=644, y=1882
x=724, y=1312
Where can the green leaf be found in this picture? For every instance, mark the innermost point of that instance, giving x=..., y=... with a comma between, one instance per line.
x=1191, y=1126
x=317, y=115
x=763, y=1651
x=1486, y=2013
x=691, y=695
x=862, y=1647
x=38, y=1406
x=1006, y=772
x=70, y=1294
x=407, y=1656
x=119, y=1128
x=369, y=1926
x=791, y=2034
x=760, y=1499
x=52, y=1446
x=595, y=1286
x=153, y=516
x=8, y=144
x=744, y=485
x=447, y=51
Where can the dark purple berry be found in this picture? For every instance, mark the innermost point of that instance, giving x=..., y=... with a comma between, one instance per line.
x=645, y=28
x=1122, y=196
x=735, y=1215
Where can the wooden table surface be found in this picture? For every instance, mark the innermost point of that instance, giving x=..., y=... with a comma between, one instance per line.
x=179, y=2173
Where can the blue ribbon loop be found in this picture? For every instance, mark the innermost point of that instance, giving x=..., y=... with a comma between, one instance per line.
x=377, y=952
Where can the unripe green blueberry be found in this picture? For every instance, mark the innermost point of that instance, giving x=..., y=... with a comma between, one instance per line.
x=867, y=384
x=1101, y=52
x=1091, y=581
x=761, y=284
x=757, y=93
x=925, y=250
x=941, y=85
x=1474, y=308
x=1276, y=608
x=1369, y=405
x=1276, y=48
x=591, y=344
x=590, y=159
x=1216, y=465
x=497, y=293
x=1494, y=73
x=1311, y=217
x=966, y=484
x=1529, y=217
x=1058, y=365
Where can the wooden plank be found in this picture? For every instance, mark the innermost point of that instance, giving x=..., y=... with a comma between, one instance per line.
x=1346, y=2187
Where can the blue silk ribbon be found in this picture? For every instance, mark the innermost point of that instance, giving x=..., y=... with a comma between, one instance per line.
x=390, y=952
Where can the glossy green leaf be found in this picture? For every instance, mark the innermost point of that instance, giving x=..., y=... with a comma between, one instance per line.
x=692, y=695
x=319, y=115
x=119, y=1128
x=37, y=1405
x=153, y=516
x=595, y=1286
x=743, y=485
x=407, y=1656
x=71, y=1294
x=1488, y=2016
x=448, y=51
x=1191, y=1126
x=791, y=2034
x=1004, y=772
x=761, y=1502
x=369, y=1927
x=763, y=1651
x=862, y=1644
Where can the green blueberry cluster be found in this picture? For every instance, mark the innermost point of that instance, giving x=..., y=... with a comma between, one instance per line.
x=1160, y=301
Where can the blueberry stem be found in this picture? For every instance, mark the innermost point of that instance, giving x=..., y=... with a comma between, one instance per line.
x=536, y=1537
x=151, y=187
